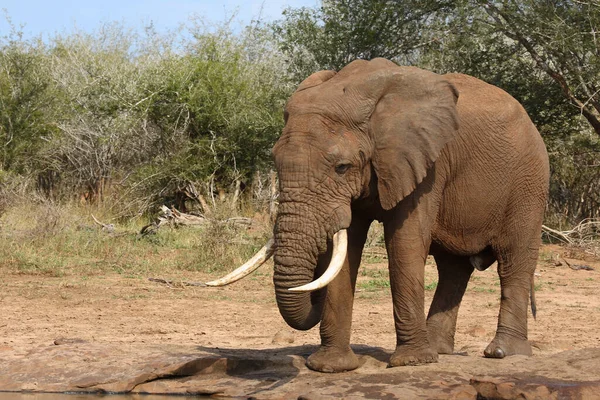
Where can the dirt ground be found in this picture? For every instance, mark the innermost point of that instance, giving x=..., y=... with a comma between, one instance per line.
x=113, y=310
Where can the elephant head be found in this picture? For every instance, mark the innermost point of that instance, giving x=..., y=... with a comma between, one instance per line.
x=370, y=131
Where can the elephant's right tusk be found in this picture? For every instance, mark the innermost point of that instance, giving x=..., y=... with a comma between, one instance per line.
x=250, y=266
x=340, y=249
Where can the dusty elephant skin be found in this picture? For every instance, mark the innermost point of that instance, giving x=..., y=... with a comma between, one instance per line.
x=452, y=166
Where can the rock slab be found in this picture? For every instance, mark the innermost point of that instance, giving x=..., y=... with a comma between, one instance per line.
x=275, y=373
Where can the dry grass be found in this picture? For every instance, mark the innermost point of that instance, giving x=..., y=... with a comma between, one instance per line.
x=46, y=239
x=64, y=240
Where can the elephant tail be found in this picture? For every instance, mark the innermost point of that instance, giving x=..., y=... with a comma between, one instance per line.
x=532, y=296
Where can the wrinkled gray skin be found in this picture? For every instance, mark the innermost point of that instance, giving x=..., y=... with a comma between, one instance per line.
x=452, y=166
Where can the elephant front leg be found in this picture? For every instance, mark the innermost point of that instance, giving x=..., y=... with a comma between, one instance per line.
x=407, y=274
x=335, y=354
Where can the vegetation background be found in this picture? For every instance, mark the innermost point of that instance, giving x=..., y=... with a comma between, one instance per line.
x=118, y=122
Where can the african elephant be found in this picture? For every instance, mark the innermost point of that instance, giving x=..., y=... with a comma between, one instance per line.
x=451, y=165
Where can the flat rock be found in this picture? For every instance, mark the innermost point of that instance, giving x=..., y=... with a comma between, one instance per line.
x=280, y=373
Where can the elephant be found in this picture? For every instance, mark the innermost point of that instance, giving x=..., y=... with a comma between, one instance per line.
x=452, y=166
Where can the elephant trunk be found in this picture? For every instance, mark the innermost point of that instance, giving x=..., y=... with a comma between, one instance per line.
x=295, y=260
x=301, y=311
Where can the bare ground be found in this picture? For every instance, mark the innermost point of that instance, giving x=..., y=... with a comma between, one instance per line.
x=126, y=319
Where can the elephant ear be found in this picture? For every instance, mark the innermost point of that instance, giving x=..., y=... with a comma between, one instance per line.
x=316, y=79
x=412, y=122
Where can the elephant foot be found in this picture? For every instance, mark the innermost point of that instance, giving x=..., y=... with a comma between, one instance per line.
x=443, y=344
x=332, y=359
x=503, y=346
x=405, y=355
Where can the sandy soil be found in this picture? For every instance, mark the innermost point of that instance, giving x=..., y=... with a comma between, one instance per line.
x=117, y=309
x=37, y=310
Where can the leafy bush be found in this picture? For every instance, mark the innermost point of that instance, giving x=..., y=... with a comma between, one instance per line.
x=133, y=119
x=223, y=105
x=27, y=116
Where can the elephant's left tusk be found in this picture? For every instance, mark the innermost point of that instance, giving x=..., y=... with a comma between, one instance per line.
x=340, y=249
x=250, y=266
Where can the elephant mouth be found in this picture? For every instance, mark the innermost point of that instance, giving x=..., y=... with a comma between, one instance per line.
x=338, y=257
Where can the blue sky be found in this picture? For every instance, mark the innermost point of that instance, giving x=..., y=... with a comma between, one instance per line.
x=47, y=17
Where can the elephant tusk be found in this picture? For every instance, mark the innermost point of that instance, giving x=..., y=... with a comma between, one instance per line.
x=250, y=266
x=340, y=249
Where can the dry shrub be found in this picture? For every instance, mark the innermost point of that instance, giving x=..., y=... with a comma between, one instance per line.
x=223, y=243
x=584, y=237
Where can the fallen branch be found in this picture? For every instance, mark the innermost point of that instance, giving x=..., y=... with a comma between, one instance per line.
x=557, y=234
x=584, y=267
x=177, y=218
x=585, y=235
x=238, y=221
x=110, y=228
x=176, y=283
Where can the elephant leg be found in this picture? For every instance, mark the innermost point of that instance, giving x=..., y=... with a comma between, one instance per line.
x=335, y=354
x=453, y=276
x=515, y=269
x=407, y=251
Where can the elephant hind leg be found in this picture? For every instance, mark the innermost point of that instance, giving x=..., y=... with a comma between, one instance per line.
x=516, y=270
x=453, y=276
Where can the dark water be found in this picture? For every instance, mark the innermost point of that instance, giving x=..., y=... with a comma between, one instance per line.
x=65, y=396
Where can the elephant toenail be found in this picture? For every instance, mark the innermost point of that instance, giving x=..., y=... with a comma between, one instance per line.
x=498, y=353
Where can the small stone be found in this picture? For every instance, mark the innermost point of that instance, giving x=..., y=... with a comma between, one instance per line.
x=312, y=396
x=29, y=387
x=283, y=337
x=464, y=392
x=542, y=392
x=61, y=341
x=505, y=389
x=477, y=331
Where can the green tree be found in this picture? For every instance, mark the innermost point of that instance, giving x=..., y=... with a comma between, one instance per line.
x=27, y=120
x=340, y=31
x=217, y=110
x=555, y=38
x=100, y=80
x=560, y=37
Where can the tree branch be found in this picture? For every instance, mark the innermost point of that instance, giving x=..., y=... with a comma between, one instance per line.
x=505, y=24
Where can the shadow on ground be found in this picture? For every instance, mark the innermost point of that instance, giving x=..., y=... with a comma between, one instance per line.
x=281, y=373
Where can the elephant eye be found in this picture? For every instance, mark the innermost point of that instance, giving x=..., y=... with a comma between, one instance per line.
x=342, y=168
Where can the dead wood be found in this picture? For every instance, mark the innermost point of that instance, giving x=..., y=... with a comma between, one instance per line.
x=583, y=267
x=585, y=235
x=176, y=283
x=110, y=228
x=562, y=236
x=177, y=218
x=205, y=206
x=273, y=197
